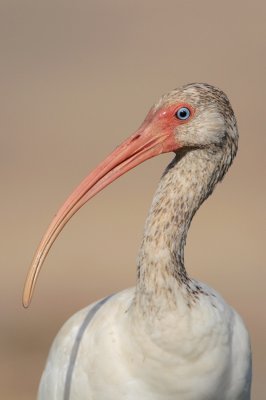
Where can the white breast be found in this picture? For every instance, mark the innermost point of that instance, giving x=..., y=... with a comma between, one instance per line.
x=114, y=356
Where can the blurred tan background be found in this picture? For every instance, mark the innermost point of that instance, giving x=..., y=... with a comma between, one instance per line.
x=77, y=77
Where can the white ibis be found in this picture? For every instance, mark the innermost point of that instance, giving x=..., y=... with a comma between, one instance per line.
x=170, y=337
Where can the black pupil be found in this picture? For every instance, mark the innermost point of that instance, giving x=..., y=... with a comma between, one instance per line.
x=183, y=113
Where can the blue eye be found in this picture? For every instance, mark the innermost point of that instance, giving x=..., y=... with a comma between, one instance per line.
x=183, y=113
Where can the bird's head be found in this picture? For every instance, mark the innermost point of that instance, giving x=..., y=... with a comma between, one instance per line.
x=196, y=115
x=193, y=116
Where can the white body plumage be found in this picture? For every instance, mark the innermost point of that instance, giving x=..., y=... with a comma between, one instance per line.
x=196, y=354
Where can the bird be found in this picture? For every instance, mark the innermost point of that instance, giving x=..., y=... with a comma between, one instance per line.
x=170, y=337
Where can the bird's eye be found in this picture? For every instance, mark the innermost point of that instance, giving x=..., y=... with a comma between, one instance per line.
x=183, y=113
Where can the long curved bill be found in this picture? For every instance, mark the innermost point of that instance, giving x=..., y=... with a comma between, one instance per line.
x=149, y=141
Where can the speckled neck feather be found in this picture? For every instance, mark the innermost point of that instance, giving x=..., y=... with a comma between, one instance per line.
x=188, y=180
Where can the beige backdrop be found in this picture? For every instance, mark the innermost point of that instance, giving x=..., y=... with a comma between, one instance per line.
x=76, y=78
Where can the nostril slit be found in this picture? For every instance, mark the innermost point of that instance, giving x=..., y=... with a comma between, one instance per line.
x=135, y=137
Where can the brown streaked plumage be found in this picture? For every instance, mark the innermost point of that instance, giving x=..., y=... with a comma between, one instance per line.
x=171, y=337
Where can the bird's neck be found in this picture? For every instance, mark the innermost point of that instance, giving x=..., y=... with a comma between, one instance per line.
x=186, y=183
